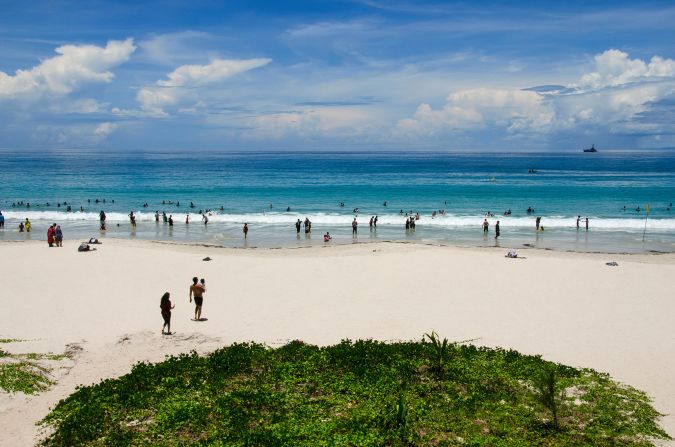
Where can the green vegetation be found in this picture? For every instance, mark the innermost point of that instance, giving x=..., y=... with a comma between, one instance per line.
x=362, y=393
x=26, y=373
x=23, y=376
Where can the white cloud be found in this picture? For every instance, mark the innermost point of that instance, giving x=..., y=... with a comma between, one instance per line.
x=180, y=83
x=217, y=70
x=480, y=108
x=78, y=135
x=609, y=99
x=175, y=48
x=614, y=67
x=105, y=129
x=343, y=122
x=75, y=65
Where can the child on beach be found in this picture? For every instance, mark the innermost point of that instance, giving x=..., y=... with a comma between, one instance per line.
x=166, y=306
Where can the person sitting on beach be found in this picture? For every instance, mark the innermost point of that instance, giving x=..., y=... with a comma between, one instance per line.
x=166, y=306
x=197, y=290
x=93, y=240
x=327, y=237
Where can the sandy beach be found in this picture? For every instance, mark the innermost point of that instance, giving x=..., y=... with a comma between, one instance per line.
x=103, y=307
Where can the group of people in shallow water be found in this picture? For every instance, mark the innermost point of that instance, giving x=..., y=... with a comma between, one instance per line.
x=55, y=234
x=486, y=228
x=196, y=293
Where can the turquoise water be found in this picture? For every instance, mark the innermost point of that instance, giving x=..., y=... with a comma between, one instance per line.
x=466, y=186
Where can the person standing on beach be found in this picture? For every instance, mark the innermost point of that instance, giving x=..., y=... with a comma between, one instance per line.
x=187, y=219
x=132, y=218
x=355, y=225
x=58, y=236
x=205, y=219
x=171, y=220
x=537, y=222
x=587, y=224
x=197, y=290
x=578, y=219
x=27, y=225
x=50, y=235
x=298, y=224
x=245, y=230
x=166, y=306
x=372, y=220
x=486, y=225
x=2, y=220
x=375, y=222
x=497, y=230
x=156, y=216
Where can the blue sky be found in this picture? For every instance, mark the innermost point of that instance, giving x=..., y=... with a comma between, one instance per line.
x=340, y=75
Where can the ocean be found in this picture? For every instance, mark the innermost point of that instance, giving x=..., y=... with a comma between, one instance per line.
x=271, y=190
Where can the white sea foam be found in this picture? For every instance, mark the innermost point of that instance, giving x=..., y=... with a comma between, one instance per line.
x=334, y=219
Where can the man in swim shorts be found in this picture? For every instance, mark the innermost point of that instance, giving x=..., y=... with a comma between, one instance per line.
x=197, y=290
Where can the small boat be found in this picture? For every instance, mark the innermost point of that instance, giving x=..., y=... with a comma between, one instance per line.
x=591, y=149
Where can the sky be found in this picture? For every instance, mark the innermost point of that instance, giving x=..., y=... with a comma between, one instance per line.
x=337, y=75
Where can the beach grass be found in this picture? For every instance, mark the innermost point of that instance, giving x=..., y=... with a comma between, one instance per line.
x=22, y=375
x=365, y=393
x=27, y=373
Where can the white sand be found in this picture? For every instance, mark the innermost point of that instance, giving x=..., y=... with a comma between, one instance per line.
x=568, y=307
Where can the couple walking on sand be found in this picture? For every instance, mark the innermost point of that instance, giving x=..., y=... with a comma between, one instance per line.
x=197, y=290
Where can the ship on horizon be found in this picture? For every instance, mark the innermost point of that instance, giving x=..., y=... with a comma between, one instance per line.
x=591, y=149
